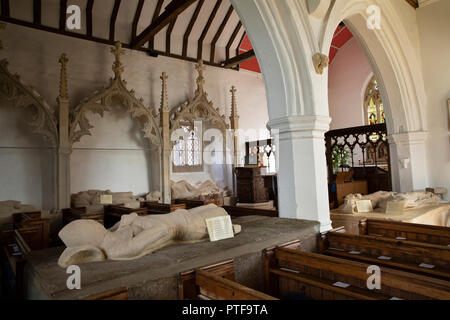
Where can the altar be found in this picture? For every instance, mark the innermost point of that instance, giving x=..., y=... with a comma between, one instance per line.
x=156, y=276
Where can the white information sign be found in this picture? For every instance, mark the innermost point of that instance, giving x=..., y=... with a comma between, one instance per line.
x=106, y=199
x=364, y=206
x=220, y=228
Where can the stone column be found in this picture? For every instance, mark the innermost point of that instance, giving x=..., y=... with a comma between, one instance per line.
x=408, y=161
x=302, y=175
x=166, y=147
x=64, y=145
x=234, y=125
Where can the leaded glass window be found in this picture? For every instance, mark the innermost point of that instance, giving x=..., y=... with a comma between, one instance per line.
x=187, y=150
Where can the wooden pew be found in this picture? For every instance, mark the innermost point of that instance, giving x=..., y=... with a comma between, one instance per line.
x=15, y=249
x=117, y=294
x=405, y=231
x=420, y=258
x=214, y=287
x=190, y=204
x=73, y=214
x=328, y=278
x=242, y=212
x=33, y=229
x=216, y=282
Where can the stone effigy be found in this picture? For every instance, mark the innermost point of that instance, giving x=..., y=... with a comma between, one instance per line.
x=185, y=190
x=91, y=199
x=135, y=236
x=380, y=200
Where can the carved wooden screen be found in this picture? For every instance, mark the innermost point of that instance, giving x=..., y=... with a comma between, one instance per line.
x=363, y=150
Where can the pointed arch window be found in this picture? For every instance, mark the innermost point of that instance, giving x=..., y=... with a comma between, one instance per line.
x=187, y=150
x=373, y=104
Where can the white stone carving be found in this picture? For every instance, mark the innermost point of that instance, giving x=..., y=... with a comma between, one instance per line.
x=100, y=101
x=198, y=107
x=23, y=96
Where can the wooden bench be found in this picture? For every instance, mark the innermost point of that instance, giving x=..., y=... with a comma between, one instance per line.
x=15, y=249
x=33, y=229
x=117, y=294
x=405, y=231
x=216, y=282
x=420, y=258
x=242, y=212
x=73, y=214
x=328, y=278
x=190, y=204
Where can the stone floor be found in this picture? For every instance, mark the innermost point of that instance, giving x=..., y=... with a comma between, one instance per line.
x=156, y=276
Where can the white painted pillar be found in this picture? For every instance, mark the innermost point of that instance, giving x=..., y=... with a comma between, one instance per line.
x=302, y=175
x=408, y=161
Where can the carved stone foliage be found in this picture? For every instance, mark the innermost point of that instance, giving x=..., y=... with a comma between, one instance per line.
x=197, y=108
x=102, y=100
x=43, y=120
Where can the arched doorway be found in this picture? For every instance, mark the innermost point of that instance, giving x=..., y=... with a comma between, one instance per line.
x=286, y=36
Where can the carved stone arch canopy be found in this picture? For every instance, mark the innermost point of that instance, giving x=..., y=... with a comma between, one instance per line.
x=100, y=102
x=12, y=88
x=197, y=108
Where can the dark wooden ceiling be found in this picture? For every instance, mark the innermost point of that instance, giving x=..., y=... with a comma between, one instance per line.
x=191, y=30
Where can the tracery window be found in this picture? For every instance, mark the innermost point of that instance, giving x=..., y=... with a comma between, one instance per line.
x=373, y=105
x=187, y=150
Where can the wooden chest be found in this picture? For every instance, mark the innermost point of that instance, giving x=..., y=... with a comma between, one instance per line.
x=250, y=185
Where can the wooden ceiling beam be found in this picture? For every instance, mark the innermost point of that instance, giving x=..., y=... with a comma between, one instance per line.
x=232, y=38
x=238, y=49
x=219, y=33
x=89, y=8
x=62, y=14
x=112, y=22
x=188, y=31
x=75, y=35
x=206, y=29
x=174, y=9
x=413, y=3
x=137, y=17
x=239, y=59
x=158, y=9
x=169, y=34
x=37, y=11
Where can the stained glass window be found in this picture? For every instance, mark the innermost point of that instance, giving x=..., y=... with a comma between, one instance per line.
x=373, y=105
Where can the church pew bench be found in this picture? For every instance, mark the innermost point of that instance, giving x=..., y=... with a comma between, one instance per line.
x=190, y=204
x=421, y=258
x=216, y=282
x=162, y=208
x=323, y=277
x=72, y=214
x=214, y=287
x=116, y=294
x=242, y=212
x=405, y=231
x=188, y=289
x=15, y=249
x=33, y=229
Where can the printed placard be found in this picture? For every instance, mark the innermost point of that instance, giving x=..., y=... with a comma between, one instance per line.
x=220, y=228
x=106, y=199
x=364, y=206
x=395, y=207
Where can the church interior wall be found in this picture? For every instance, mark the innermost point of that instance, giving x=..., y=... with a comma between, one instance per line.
x=434, y=27
x=348, y=77
x=116, y=157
